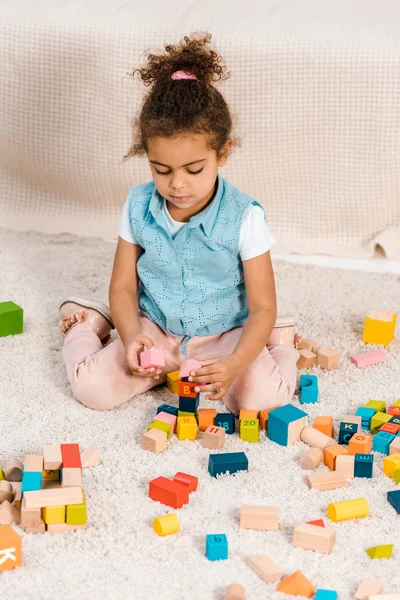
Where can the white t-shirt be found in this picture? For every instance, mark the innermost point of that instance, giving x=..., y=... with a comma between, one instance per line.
x=255, y=236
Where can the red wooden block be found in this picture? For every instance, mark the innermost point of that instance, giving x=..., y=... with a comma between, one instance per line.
x=186, y=389
x=318, y=522
x=170, y=493
x=390, y=428
x=394, y=411
x=71, y=457
x=190, y=480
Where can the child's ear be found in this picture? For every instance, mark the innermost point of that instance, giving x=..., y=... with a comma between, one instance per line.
x=224, y=152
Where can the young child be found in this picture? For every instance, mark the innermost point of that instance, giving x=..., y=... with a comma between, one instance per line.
x=192, y=271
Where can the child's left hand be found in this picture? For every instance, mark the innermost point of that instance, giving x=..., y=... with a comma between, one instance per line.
x=218, y=374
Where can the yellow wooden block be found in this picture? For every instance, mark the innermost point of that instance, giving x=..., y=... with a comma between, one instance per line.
x=391, y=464
x=249, y=430
x=53, y=514
x=379, y=327
x=173, y=382
x=186, y=428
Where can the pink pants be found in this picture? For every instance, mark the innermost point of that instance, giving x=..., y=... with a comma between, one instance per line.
x=100, y=377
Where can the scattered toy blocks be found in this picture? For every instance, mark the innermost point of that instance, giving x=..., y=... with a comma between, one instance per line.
x=345, y=464
x=324, y=425
x=166, y=525
x=363, y=465
x=213, y=438
x=368, y=587
x=306, y=359
x=391, y=464
x=296, y=584
x=170, y=493
x=152, y=357
x=313, y=537
x=348, y=509
x=229, y=462
x=330, y=454
x=379, y=327
x=154, y=440
x=264, y=518
x=264, y=567
x=394, y=499
x=206, y=418
x=186, y=428
x=316, y=439
x=312, y=459
x=383, y=551
x=249, y=430
x=285, y=424
x=216, y=546
x=308, y=389
x=382, y=441
x=366, y=359
x=326, y=481
x=225, y=420
x=328, y=359
x=360, y=444
x=11, y=319
x=10, y=548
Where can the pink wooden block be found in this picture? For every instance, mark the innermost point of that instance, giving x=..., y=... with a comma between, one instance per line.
x=152, y=357
x=166, y=418
x=365, y=359
x=191, y=364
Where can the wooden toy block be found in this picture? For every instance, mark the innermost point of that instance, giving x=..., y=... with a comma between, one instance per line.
x=315, y=438
x=186, y=428
x=330, y=454
x=360, y=443
x=63, y=527
x=71, y=477
x=186, y=389
x=394, y=447
x=31, y=480
x=173, y=410
x=13, y=470
x=154, y=440
x=363, y=465
x=166, y=525
x=53, y=514
x=318, y=522
x=326, y=481
x=324, y=425
x=225, y=420
x=188, y=365
x=346, y=432
x=33, y=463
x=307, y=344
x=162, y=426
x=296, y=584
x=264, y=518
x=152, y=357
x=213, y=438
x=378, y=405
x=173, y=382
x=328, y=359
x=391, y=464
x=345, y=464
x=381, y=442
x=216, y=546
x=206, y=417
x=6, y=491
x=378, y=420
x=312, y=537
x=71, y=457
x=368, y=587
x=228, y=462
x=53, y=497
x=10, y=548
x=235, y=591
x=170, y=493
x=325, y=594
x=366, y=415
x=91, y=456
x=263, y=415
x=249, y=430
x=348, y=509
x=366, y=359
x=379, y=327
x=248, y=414
x=166, y=418
x=383, y=551
x=394, y=411
x=306, y=360
x=394, y=499
x=75, y=514
x=52, y=458
x=11, y=319
x=285, y=424
x=264, y=567
x=30, y=517
x=188, y=405
x=190, y=480
x=308, y=389
x=312, y=459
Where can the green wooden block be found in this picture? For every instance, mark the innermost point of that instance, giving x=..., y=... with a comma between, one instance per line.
x=396, y=476
x=2, y=476
x=249, y=430
x=379, y=405
x=384, y=551
x=379, y=419
x=11, y=319
x=161, y=425
x=76, y=513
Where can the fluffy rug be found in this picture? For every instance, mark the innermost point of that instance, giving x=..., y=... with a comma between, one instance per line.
x=119, y=556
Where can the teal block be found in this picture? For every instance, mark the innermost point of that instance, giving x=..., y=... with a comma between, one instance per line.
x=366, y=415
x=280, y=420
x=382, y=441
x=11, y=319
x=308, y=389
x=346, y=431
x=394, y=499
x=216, y=546
x=325, y=595
x=227, y=462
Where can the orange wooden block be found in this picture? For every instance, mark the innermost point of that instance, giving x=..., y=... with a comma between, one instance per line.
x=10, y=548
x=360, y=443
x=296, y=584
x=306, y=360
x=324, y=425
x=259, y=517
x=248, y=414
x=213, y=437
x=330, y=454
x=190, y=480
x=263, y=416
x=206, y=417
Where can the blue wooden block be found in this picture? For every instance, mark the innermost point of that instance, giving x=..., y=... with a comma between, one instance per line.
x=394, y=499
x=346, y=431
x=189, y=404
x=308, y=389
x=31, y=481
x=172, y=410
x=216, y=546
x=228, y=462
x=363, y=465
x=382, y=441
x=366, y=415
x=281, y=420
x=325, y=595
x=226, y=420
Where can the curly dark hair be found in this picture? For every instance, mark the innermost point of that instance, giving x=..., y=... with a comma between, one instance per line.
x=175, y=106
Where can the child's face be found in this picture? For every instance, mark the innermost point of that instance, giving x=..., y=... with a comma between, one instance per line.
x=184, y=169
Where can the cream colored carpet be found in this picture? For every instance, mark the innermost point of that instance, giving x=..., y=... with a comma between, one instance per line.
x=119, y=556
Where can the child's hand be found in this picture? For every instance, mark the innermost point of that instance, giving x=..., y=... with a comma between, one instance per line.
x=218, y=374
x=133, y=347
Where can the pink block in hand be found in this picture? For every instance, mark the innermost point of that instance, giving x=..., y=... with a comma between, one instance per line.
x=191, y=364
x=365, y=359
x=152, y=357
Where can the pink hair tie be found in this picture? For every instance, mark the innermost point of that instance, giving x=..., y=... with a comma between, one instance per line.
x=182, y=75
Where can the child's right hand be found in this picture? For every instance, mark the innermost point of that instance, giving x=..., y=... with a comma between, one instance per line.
x=134, y=345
